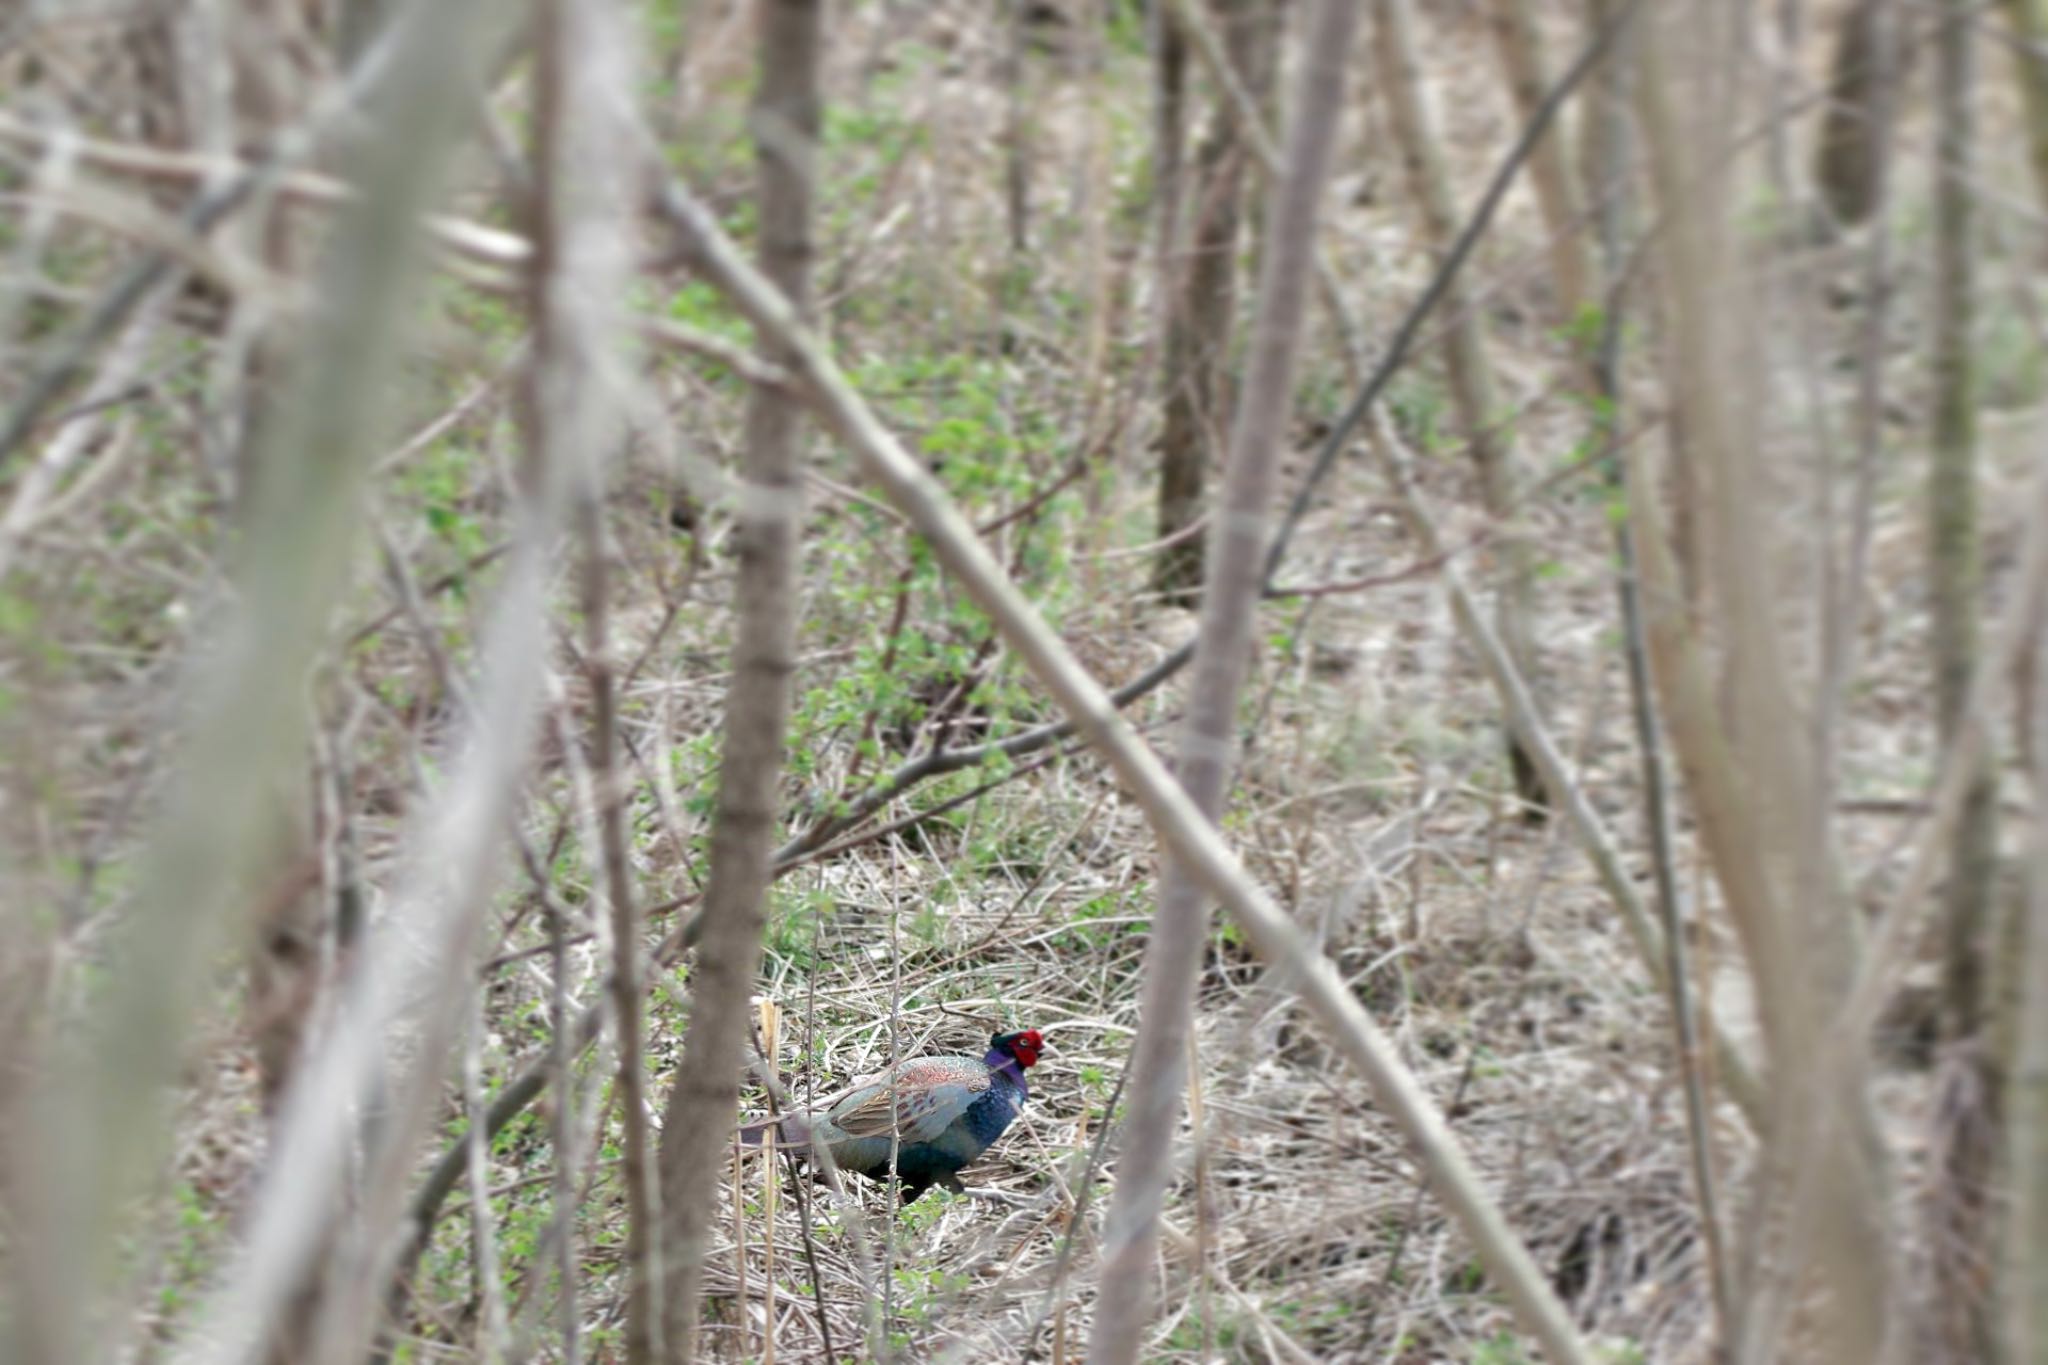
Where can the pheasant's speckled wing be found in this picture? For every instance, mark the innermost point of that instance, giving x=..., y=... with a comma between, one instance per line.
x=929, y=1094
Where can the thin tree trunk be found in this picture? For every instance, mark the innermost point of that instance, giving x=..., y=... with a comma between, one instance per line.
x=1662, y=949
x=1229, y=617
x=704, y=1098
x=2026, y=1097
x=1839, y=637
x=1204, y=294
x=1955, y=552
x=291, y=962
x=637, y=1172
x=1169, y=174
x=577, y=52
x=609, y=791
x=1849, y=154
x=1610, y=155
x=2024, y=1280
x=2029, y=20
x=1017, y=140
x=1959, y=1209
x=1751, y=781
x=1518, y=42
x=1172, y=576
x=1473, y=391
x=1601, y=849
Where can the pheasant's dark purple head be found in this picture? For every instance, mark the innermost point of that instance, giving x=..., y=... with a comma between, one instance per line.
x=1024, y=1046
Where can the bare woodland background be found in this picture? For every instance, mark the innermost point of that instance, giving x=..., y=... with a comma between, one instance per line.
x=568, y=567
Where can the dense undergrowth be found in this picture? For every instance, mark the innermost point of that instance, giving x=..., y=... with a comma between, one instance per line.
x=1374, y=801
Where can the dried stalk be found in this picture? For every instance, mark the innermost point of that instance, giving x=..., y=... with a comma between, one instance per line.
x=559, y=1070
x=771, y=1035
x=493, y=1331
x=1019, y=151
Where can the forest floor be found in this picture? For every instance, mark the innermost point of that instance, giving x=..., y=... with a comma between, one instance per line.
x=1373, y=800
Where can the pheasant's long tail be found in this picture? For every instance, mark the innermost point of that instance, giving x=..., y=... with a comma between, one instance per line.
x=793, y=1133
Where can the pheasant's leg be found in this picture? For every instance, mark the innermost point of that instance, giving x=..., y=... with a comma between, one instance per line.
x=951, y=1182
x=911, y=1189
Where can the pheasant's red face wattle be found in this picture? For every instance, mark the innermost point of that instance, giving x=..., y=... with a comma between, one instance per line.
x=1025, y=1046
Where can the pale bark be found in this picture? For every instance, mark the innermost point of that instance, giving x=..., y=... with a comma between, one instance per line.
x=579, y=48
x=1610, y=157
x=1751, y=782
x=704, y=1097
x=1237, y=544
x=575, y=386
x=2023, y=1284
